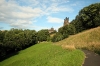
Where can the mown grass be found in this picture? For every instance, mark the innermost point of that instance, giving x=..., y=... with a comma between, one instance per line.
x=45, y=54
x=89, y=39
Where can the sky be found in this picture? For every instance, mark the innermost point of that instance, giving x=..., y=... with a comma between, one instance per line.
x=39, y=14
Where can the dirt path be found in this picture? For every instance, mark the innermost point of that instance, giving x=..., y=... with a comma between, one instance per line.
x=92, y=59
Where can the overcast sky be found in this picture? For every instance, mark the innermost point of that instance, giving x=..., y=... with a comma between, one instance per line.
x=39, y=14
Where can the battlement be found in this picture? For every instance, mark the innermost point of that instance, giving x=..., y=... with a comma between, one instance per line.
x=66, y=21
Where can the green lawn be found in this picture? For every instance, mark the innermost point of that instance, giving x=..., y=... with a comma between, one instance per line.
x=45, y=54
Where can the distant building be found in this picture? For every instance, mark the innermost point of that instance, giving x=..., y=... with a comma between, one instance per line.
x=51, y=30
x=66, y=21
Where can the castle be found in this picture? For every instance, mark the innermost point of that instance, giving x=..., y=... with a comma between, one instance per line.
x=66, y=21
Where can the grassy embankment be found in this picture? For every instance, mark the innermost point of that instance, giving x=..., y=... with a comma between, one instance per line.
x=89, y=39
x=45, y=54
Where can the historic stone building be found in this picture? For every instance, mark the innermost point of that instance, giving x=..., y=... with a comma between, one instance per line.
x=66, y=21
x=51, y=30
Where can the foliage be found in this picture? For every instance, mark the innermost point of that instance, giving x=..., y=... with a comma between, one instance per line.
x=43, y=35
x=67, y=29
x=89, y=17
x=64, y=32
x=45, y=54
x=16, y=39
x=57, y=37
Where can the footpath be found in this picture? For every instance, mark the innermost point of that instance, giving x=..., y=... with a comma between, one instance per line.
x=92, y=59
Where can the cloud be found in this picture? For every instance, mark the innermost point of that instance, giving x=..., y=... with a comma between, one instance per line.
x=22, y=13
x=54, y=19
x=56, y=9
x=56, y=6
x=20, y=23
x=17, y=16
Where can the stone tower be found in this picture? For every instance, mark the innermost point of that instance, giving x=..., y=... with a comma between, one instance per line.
x=66, y=21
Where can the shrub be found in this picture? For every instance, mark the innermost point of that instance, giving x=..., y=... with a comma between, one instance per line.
x=57, y=37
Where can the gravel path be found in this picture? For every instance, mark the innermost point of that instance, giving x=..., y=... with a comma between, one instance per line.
x=92, y=59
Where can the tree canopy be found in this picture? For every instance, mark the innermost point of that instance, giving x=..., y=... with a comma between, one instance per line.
x=16, y=39
x=88, y=17
x=43, y=35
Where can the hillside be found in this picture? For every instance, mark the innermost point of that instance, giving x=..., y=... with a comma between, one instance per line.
x=89, y=39
x=45, y=54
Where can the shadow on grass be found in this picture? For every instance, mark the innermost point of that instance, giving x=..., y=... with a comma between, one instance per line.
x=8, y=56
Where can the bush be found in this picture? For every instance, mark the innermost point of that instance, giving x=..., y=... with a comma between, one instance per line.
x=43, y=35
x=57, y=37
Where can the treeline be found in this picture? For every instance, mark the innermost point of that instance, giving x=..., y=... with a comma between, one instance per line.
x=88, y=17
x=17, y=39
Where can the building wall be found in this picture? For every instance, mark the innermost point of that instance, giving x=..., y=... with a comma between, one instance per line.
x=66, y=21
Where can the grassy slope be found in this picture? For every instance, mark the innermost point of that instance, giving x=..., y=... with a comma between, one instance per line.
x=52, y=35
x=45, y=54
x=89, y=39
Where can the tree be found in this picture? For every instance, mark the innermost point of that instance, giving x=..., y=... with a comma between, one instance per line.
x=43, y=35
x=57, y=37
x=16, y=39
x=71, y=29
x=88, y=17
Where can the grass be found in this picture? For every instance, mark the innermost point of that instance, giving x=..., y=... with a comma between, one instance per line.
x=45, y=54
x=52, y=34
x=69, y=47
x=89, y=39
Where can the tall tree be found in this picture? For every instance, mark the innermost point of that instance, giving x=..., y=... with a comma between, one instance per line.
x=89, y=17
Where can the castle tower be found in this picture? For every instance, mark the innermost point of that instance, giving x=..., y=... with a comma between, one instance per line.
x=66, y=21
